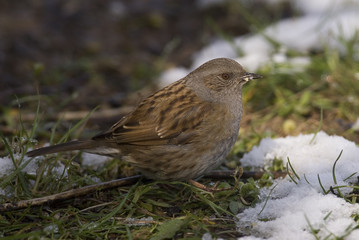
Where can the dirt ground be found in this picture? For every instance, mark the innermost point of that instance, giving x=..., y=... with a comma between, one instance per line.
x=104, y=49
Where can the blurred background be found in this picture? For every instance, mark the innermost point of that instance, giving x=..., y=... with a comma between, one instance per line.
x=63, y=60
x=74, y=56
x=103, y=49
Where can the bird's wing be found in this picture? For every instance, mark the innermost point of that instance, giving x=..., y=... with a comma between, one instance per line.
x=180, y=120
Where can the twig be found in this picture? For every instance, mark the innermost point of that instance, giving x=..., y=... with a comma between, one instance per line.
x=69, y=194
x=116, y=183
x=206, y=188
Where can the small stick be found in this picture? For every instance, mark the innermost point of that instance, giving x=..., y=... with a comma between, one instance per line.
x=69, y=194
x=220, y=174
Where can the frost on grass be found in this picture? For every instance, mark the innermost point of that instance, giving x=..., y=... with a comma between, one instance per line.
x=293, y=209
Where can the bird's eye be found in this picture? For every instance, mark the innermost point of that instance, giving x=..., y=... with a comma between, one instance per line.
x=225, y=76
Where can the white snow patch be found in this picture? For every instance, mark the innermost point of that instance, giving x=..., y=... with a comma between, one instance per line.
x=323, y=6
x=51, y=229
x=7, y=165
x=93, y=160
x=355, y=126
x=172, y=75
x=324, y=24
x=29, y=166
x=292, y=208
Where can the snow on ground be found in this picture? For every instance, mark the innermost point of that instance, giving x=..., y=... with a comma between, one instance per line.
x=323, y=24
x=31, y=166
x=93, y=160
x=355, y=126
x=292, y=208
x=27, y=165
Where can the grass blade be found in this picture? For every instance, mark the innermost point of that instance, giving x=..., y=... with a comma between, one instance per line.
x=321, y=185
x=335, y=163
x=77, y=125
x=295, y=174
x=267, y=198
x=319, y=127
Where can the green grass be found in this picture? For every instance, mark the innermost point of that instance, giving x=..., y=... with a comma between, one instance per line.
x=165, y=209
x=153, y=210
x=157, y=209
x=107, y=213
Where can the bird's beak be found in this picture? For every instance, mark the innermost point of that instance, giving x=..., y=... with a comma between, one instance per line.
x=249, y=76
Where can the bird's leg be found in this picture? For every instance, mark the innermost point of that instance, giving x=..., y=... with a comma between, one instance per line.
x=236, y=174
x=206, y=188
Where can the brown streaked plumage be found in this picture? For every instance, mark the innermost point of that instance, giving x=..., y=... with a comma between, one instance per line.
x=180, y=132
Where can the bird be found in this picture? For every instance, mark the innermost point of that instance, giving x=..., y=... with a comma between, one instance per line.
x=180, y=132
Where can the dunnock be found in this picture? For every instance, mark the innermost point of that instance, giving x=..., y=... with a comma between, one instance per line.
x=180, y=132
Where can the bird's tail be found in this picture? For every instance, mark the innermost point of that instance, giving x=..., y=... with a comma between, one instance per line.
x=69, y=146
